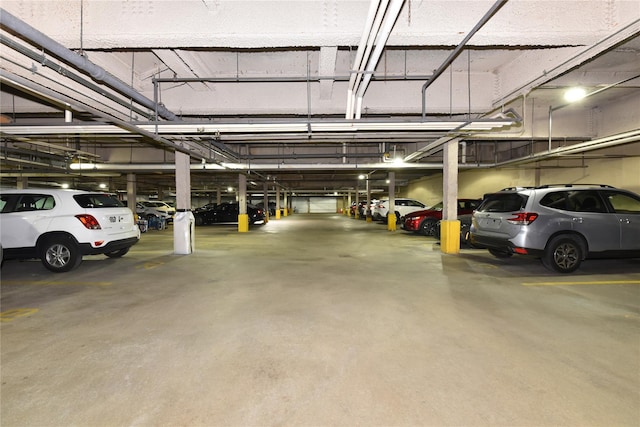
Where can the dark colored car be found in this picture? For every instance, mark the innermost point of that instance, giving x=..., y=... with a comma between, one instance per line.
x=426, y=221
x=272, y=207
x=465, y=226
x=226, y=213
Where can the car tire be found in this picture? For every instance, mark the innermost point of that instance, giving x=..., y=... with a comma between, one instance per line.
x=500, y=254
x=60, y=254
x=199, y=220
x=428, y=227
x=563, y=254
x=118, y=253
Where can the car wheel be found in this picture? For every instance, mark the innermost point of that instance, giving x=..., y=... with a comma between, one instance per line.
x=60, y=254
x=118, y=253
x=500, y=254
x=428, y=227
x=563, y=254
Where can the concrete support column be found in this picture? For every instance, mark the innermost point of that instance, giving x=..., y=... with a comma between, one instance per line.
x=357, y=213
x=368, y=209
x=450, y=226
x=183, y=222
x=265, y=201
x=286, y=203
x=131, y=192
x=277, y=202
x=22, y=183
x=243, y=217
x=349, y=203
x=218, y=195
x=392, y=220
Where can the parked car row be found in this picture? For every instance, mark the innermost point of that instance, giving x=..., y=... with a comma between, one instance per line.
x=562, y=225
x=226, y=212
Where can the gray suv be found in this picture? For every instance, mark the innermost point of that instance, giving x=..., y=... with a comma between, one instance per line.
x=561, y=224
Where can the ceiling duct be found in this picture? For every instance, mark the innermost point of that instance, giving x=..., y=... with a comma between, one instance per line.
x=96, y=72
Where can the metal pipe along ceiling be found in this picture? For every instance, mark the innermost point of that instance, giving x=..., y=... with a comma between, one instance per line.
x=380, y=20
x=98, y=73
x=494, y=9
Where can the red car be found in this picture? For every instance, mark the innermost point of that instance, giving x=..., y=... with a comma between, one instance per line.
x=426, y=221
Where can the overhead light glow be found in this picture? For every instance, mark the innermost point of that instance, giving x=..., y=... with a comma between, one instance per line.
x=65, y=185
x=102, y=185
x=575, y=94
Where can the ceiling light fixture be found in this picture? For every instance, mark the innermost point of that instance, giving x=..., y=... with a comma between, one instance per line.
x=575, y=94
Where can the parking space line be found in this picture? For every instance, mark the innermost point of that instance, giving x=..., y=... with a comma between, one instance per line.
x=598, y=282
x=46, y=283
x=10, y=315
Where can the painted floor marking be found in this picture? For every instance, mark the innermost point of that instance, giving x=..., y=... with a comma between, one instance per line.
x=599, y=282
x=151, y=265
x=10, y=315
x=46, y=283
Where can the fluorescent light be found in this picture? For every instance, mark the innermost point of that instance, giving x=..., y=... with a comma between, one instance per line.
x=276, y=127
x=575, y=94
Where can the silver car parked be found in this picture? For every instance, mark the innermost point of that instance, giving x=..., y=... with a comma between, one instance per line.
x=561, y=224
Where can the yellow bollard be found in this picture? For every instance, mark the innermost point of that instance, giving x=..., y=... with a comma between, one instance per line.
x=243, y=223
x=450, y=236
x=391, y=222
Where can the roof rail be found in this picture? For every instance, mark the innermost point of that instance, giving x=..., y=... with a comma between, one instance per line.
x=575, y=185
x=516, y=188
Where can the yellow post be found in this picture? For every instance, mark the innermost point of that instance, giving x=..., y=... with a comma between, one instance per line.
x=243, y=223
x=285, y=211
x=450, y=236
x=391, y=222
x=277, y=213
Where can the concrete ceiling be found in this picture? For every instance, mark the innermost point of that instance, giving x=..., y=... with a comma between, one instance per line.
x=261, y=87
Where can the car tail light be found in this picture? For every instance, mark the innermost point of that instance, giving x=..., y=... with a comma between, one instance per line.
x=89, y=221
x=522, y=218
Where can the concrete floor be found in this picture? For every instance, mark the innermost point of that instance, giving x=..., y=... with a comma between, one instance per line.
x=318, y=320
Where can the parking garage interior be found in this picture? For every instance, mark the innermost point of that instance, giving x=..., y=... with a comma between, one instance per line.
x=316, y=317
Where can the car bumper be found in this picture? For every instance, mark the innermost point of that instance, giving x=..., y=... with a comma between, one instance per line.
x=504, y=245
x=113, y=246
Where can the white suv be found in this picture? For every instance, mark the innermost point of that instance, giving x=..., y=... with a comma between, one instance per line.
x=403, y=207
x=157, y=208
x=60, y=226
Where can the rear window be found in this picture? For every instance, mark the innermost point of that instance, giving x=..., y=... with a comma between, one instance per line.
x=92, y=201
x=503, y=202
